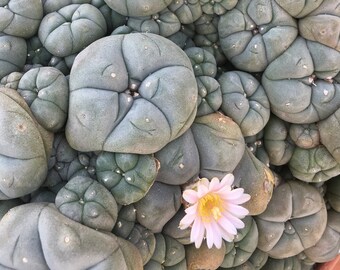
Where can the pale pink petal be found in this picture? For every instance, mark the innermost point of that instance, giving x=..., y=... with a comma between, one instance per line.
x=246, y=197
x=191, y=210
x=234, y=220
x=197, y=232
x=223, y=190
x=232, y=194
x=242, y=199
x=186, y=221
x=209, y=234
x=227, y=236
x=217, y=237
x=214, y=184
x=228, y=179
x=237, y=210
x=202, y=190
x=205, y=182
x=190, y=196
x=227, y=225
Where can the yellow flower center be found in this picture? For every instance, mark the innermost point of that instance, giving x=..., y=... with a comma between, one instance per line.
x=210, y=206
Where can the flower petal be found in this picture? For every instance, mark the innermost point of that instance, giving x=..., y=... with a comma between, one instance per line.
x=236, y=196
x=202, y=189
x=234, y=220
x=223, y=190
x=214, y=184
x=227, y=236
x=228, y=179
x=190, y=196
x=237, y=210
x=232, y=194
x=217, y=234
x=186, y=221
x=197, y=232
x=227, y=225
x=209, y=235
x=191, y=210
x=242, y=199
x=205, y=182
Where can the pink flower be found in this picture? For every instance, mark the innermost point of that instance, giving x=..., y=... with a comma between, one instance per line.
x=214, y=211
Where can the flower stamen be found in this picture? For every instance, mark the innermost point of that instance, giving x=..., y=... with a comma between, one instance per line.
x=210, y=206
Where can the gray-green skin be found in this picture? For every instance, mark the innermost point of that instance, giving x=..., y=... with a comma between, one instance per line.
x=125, y=221
x=207, y=25
x=256, y=146
x=254, y=33
x=218, y=7
x=203, y=62
x=294, y=220
x=6, y=205
x=70, y=59
x=209, y=95
x=158, y=206
x=277, y=142
x=245, y=101
x=262, y=154
x=257, y=180
x=189, y=30
x=36, y=52
x=304, y=77
x=186, y=11
x=88, y=202
x=168, y=252
x=329, y=130
x=65, y=163
x=45, y=90
x=299, y=8
x=122, y=30
x=321, y=27
x=255, y=262
x=144, y=240
x=126, y=95
x=51, y=5
x=179, y=161
x=11, y=80
x=171, y=228
x=165, y=23
x=112, y=18
x=333, y=193
x=59, y=63
x=205, y=69
x=20, y=18
x=43, y=194
x=243, y=246
x=305, y=135
x=182, y=40
x=13, y=54
x=180, y=266
x=313, y=165
x=127, y=176
x=138, y=8
x=283, y=264
x=84, y=164
x=327, y=248
x=39, y=237
x=207, y=37
x=220, y=144
x=76, y=25
x=25, y=147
